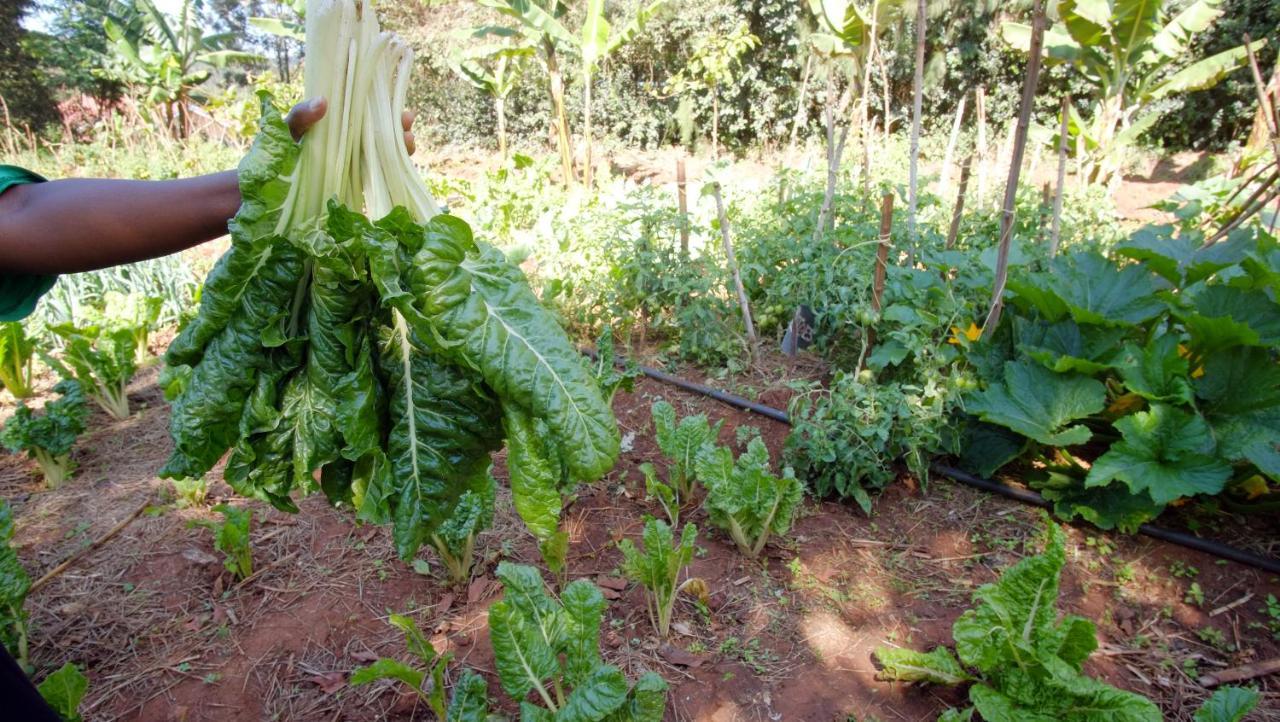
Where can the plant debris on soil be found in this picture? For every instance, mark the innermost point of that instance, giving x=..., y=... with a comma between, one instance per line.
x=164, y=633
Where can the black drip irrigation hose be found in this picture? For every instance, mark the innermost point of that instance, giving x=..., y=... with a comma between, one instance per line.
x=1026, y=496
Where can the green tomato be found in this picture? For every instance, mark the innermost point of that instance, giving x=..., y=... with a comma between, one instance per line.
x=866, y=377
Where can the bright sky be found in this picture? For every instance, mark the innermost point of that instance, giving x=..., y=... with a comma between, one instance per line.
x=39, y=21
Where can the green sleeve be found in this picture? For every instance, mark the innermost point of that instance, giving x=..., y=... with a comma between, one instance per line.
x=20, y=291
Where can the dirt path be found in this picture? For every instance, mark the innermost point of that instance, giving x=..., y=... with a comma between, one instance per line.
x=165, y=635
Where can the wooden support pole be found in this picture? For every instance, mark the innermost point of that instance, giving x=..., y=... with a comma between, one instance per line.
x=1240, y=674
x=944, y=180
x=917, y=100
x=958, y=212
x=1271, y=118
x=882, y=252
x=97, y=543
x=1055, y=230
x=1015, y=169
x=881, y=270
x=733, y=266
x=981, y=107
x=682, y=195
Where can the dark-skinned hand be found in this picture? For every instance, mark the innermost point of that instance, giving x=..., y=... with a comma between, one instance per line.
x=306, y=114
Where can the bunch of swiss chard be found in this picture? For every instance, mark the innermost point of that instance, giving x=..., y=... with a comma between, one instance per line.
x=1138, y=380
x=380, y=358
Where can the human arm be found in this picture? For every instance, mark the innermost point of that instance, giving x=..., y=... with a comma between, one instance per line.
x=65, y=226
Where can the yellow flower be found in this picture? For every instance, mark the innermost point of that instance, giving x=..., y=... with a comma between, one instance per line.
x=1254, y=487
x=971, y=334
x=1125, y=405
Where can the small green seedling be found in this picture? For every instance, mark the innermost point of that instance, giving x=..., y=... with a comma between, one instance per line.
x=426, y=679
x=63, y=690
x=658, y=568
x=190, y=492
x=231, y=537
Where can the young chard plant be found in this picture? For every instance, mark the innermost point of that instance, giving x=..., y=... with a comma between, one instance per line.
x=1228, y=704
x=47, y=437
x=17, y=352
x=744, y=499
x=658, y=568
x=1021, y=661
x=231, y=537
x=63, y=691
x=681, y=442
x=14, y=584
x=548, y=655
x=190, y=492
x=102, y=361
x=455, y=539
x=426, y=679
x=134, y=313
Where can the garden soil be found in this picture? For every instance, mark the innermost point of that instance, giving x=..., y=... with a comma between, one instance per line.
x=165, y=634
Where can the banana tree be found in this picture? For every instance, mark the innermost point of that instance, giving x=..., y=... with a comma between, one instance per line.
x=285, y=28
x=1133, y=53
x=847, y=37
x=598, y=41
x=167, y=59
x=494, y=70
x=538, y=22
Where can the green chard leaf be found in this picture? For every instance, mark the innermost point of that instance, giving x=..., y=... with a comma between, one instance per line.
x=1229, y=704
x=14, y=584
x=1040, y=404
x=63, y=690
x=1016, y=615
x=907, y=665
x=484, y=315
x=470, y=700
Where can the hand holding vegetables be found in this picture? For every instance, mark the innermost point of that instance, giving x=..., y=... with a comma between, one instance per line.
x=81, y=224
x=391, y=353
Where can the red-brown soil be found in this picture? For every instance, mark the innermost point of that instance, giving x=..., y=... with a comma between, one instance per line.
x=165, y=634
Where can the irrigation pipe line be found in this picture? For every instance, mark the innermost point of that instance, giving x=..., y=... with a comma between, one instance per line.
x=1026, y=496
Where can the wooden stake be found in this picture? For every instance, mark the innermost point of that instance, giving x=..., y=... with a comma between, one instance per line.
x=1015, y=168
x=1272, y=119
x=1056, y=228
x=1241, y=673
x=49, y=575
x=882, y=252
x=958, y=211
x=982, y=145
x=733, y=266
x=683, y=199
x=944, y=180
x=917, y=100
x=882, y=266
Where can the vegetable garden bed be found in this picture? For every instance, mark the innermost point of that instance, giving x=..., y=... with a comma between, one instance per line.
x=165, y=633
